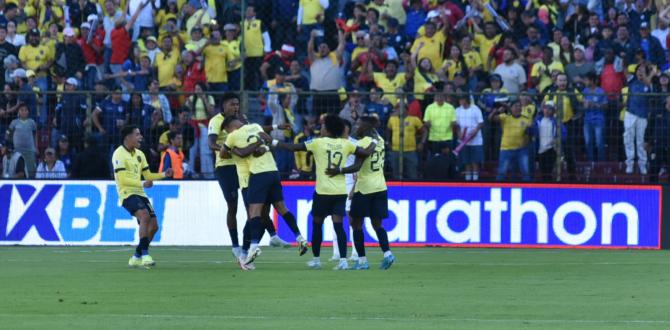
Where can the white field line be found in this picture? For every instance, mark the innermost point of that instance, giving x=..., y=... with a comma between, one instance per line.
x=408, y=262
x=343, y=318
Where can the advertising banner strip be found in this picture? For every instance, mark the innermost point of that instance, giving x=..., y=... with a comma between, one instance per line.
x=502, y=215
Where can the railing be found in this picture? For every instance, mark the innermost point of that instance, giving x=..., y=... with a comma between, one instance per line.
x=603, y=159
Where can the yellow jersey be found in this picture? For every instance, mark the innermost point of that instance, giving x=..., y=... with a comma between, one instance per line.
x=371, y=175
x=514, y=131
x=473, y=60
x=568, y=108
x=215, y=128
x=411, y=126
x=422, y=82
x=33, y=57
x=129, y=167
x=329, y=153
x=234, y=53
x=242, y=138
x=542, y=71
x=166, y=65
x=433, y=48
x=390, y=85
x=484, y=44
x=253, y=37
x=216, y=63
x=243, y=172
x=310, y=9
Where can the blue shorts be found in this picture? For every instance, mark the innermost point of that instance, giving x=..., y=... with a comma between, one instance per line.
x=228, y=181
x=374, y=205
x=265, y=188
x=471, y=154
x=325, y=205
x=135, y=203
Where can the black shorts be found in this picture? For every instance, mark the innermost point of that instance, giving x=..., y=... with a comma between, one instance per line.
x=375, y=205
x=135, y=203
x=228, y=181
x=325, y=205
x=265, y=188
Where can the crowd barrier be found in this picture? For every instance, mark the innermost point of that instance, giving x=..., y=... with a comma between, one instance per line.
x=420, y=214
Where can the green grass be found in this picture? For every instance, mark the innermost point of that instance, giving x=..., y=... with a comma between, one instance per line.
x=428, y=288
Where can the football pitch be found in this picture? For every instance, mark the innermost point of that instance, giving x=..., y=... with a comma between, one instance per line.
x=427, y=288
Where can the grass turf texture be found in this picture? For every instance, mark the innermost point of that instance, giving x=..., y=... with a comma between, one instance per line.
x=191, y=288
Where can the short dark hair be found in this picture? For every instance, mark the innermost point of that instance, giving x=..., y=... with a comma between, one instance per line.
x=229, y=96
x=172, y=135
x=228, y=120
x=127, y=130
x=334, y=125
x=370, y=120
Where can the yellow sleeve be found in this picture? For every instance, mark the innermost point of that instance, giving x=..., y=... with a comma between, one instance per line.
x=535, y=71
x=230, y=140
x=417, y=122
x=312, y=145
x=579, y=95
x=22, y=55
x=147, y=174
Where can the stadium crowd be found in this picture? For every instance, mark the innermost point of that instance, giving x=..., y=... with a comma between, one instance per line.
x=455, y=84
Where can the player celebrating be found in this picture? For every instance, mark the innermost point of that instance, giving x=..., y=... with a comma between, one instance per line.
x=130, y=165
x=226, y=173
x=330, y=197
x=264, y=183
x=370, y=194
x=350, y=181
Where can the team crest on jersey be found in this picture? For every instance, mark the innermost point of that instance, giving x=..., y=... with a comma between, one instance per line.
x=139, y=159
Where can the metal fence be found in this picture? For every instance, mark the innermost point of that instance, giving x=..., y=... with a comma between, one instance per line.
x=517, y=140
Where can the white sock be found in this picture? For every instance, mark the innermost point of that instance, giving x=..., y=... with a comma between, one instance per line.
x=468, y=176
x=343, y=259
x=475, y=176
x=387, y=253
x=363, y=260
x=317, y=259
x=253, y=246
x=299, y=238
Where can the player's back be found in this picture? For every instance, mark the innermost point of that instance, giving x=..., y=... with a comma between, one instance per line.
x=329, y=153
x=371, y=175
x=245, y=136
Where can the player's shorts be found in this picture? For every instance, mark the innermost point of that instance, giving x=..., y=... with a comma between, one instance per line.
x=325, y=205
x=228, y=181
x=135, y=203
x=265, y=188
x=373, y=205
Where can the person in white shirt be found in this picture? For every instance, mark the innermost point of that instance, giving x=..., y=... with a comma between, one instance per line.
x=51, y=168
x=469, y=121
x=146, y=18
x=513, y=75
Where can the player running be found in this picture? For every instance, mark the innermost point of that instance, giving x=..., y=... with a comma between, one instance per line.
x=330, y=196
x=264, y=183
x=370, y=193
x=130, y=165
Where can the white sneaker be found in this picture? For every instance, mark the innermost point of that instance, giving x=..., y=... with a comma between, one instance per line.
x=343, y=265
x=335, y=257
x=276, y=241
x=254, y=252
x=629, y=169
x=354, y=257
x=643, y=169
x=240, y=262
x=314, y=263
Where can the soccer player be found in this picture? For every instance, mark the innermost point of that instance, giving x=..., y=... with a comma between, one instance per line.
x=350, y=181
x=130, y=165
x=370, y=194
x=226, y=173
x=264, y=183
x=330, y=197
